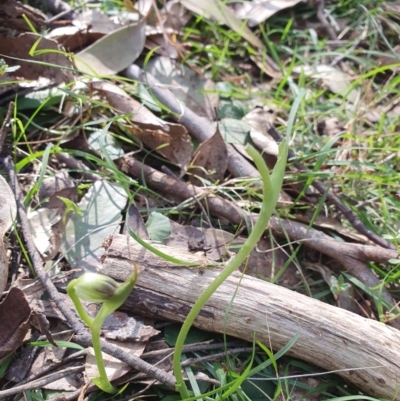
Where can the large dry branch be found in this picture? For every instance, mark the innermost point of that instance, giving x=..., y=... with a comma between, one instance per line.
x=329, y=337
x=352, y=256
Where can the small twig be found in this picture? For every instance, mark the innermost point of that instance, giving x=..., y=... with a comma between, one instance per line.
x=348, y=213
x=40, y=383
x=213, y=357
x=324, y=21
x=82, y=336
x=3, y=131
x=72, y=163
x=51, y=367
x=192, y=348
x=65, y=11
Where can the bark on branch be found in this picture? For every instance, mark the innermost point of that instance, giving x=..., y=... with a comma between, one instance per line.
x=329, y=337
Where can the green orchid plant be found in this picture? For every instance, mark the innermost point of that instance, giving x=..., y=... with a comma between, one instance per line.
x=93, y=287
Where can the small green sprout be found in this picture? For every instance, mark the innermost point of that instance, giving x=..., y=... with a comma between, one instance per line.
x=95, y=287
x=5, y=68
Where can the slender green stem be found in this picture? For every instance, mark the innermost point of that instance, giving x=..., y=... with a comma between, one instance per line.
x=78, y=305
x=268, y=205
x=98, y=288
x=98, y=321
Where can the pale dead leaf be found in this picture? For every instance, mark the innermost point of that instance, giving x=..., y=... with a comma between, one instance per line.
x=114, y=52
x=330, y=127
x=48, y=355
x=144, y=6
x=162, y=43
x=96, y=21
x=218, y=10
x=46, y=223
x=119, y=326
x=8, y=212
x=118, y=99
x=260, y=119
x=267, y=65
x=337, y=81
x=177, y=16
x=11, y=17
x=33, y=288
x=54, y=184
x=168, y=139
x=186, y=85
x=134, y=221
x=176, y=145
x=40, y=223
x=257, y=11
x=329, y=223
x=73, y=37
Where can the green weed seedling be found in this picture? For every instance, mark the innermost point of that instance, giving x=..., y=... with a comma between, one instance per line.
x=93, y=287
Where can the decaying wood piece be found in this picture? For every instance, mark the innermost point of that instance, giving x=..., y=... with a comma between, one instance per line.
x=329, y=337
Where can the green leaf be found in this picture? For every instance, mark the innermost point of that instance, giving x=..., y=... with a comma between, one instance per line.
x=105, y=386
x=110, y=144
x=231, y=109
x=4, y=365
x=195, y=335
x=234, y=131
x=225, y=89
x=158, y=226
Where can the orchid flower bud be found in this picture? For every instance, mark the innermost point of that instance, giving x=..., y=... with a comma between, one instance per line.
x=94, y=287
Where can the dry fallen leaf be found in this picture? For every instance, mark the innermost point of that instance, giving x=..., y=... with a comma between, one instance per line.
x=40, y=223
x=11, y=17
x=168, y=139
x=194, y=91
x=257, y=11
x=19, y=48
x=336, y=80
x=339, y=82
x=14, y=322
x=212, y=157
x=330, y=127
x=260, y=119
x=97, y=22
x=219, y=11
x=114, y=52
x=175, y=14
x=123, y=103
x=8, y=212
x=119, y=326
x=126, y=333
x=48, y=225
x=134, y=221
x=162, y=42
